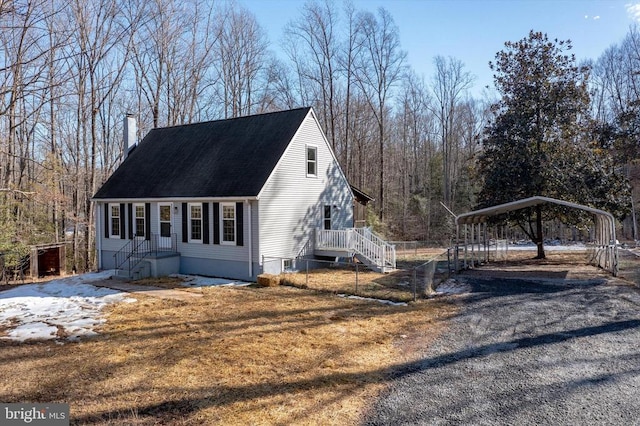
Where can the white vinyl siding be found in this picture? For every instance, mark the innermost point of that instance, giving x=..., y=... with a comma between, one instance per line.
x=291, y=206
x=213, y=251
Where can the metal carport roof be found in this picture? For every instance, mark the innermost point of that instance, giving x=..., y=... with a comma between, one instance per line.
x=606, y=255
x=479, y=216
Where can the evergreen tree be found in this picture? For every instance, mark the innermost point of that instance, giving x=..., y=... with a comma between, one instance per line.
x=539, y=141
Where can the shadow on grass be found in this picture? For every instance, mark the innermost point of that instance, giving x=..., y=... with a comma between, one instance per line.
x=224, y=395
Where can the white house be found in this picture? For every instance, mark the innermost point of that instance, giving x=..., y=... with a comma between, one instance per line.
x=231, y=198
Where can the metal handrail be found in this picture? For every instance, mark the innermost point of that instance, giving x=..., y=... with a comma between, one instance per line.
x=134, y=252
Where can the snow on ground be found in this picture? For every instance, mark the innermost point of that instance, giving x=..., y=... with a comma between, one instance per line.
x=66, y=308
x=452, y=286
x=386, y=302
x=547, y=247
x=198, y=281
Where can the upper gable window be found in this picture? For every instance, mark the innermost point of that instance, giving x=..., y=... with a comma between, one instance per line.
x=312, y=161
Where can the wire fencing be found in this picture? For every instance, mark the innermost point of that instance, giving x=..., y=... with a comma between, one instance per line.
x=412, y=280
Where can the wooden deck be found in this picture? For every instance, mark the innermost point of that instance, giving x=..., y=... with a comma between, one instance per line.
x=359, y=242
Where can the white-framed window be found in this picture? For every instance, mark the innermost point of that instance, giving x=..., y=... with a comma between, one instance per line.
x=326, y=217
x=114, y=221
x=312, y=160
x=139, y=220
x=228, y=223
x=195, y=222
x=287, y=265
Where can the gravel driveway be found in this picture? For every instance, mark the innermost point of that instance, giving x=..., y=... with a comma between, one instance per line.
x=536, y=352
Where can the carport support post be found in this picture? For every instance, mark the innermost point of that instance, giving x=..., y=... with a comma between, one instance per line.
x=485, y=243
x=465, y=247
x=480, y=244
x=473, y=241
x=457, y=246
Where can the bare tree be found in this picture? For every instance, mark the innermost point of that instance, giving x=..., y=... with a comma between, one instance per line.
x=350, y=49
x=449, y=85
x=379, y=68
x=241, y=61
x=98, y=72
x=154, y=47
x=315, y=34
x=23, y=64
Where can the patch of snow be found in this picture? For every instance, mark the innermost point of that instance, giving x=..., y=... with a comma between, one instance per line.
x=547, y=247
x=370, y=299
x=68, y=307
x=199, y=281
x=452, y=286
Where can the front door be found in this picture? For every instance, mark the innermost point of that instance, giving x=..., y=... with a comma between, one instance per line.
x=166, y=224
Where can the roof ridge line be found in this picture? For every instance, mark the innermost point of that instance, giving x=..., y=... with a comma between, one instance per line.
x=231, y=118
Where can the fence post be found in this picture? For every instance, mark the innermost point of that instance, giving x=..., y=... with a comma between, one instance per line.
x=306, y=281
x=415, y=285
x=356, y=278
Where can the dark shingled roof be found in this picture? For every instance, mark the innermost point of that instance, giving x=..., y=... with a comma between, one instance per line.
x=223, y=158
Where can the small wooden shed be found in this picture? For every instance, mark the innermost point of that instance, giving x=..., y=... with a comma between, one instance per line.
x=48, y=259
x=361, y=199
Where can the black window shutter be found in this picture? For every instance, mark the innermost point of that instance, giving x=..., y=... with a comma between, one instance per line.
x=205, y=223
x=123, y=234
x=216, y=223
x=239, y=225
x=131, y=222
x=185, y=227
x=106, y=220
x=147, y=221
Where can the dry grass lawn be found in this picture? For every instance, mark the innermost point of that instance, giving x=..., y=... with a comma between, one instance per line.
x=397, y=285
x=277, y=355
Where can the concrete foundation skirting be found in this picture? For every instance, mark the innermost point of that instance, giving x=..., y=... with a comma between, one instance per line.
x=163, y=264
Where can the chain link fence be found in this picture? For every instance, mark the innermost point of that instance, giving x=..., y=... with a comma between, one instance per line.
x=416, y=276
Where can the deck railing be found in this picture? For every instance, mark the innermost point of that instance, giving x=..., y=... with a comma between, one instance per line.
x=361, y=241
x=374, y=248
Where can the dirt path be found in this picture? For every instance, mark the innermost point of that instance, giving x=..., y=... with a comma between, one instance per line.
x=544, y=348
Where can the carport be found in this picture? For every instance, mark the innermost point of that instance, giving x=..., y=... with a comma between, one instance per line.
x=473, y=232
